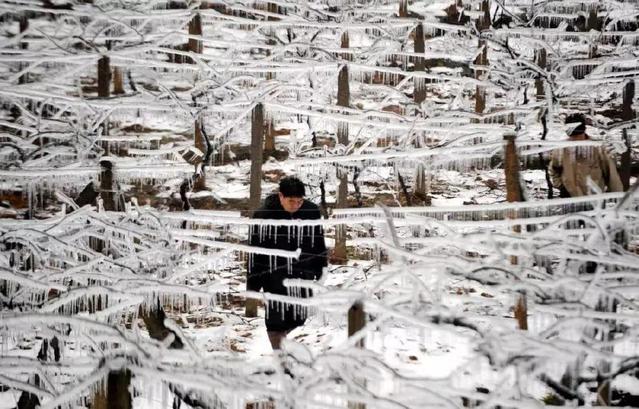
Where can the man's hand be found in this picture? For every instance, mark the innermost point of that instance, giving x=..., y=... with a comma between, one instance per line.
x=557, y=169
x=612, y=147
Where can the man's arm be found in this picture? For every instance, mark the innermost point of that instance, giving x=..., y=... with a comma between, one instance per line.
x=321, y=243
x=256, y=270
x=555, y=169
x=609, y=169
x=317, y=255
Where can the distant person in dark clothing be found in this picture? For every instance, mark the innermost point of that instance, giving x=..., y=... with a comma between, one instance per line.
x=570, y=168
x=268, y=272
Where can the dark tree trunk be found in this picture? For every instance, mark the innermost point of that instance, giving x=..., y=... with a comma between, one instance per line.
x=421, y=191
x=104, y=77
x=343, y=99
x=118, y=81
x=480, y=90
x=511, y=170
x=514, y=194
x=116, y=394
x=356, y=322
x=483, y=24
x=24, y=26
x=453, y=16
x=403, y=8
x=107, y=192
x=257, y=141
x=195, y=29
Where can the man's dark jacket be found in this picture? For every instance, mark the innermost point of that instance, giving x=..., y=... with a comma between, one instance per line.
x=269, y=272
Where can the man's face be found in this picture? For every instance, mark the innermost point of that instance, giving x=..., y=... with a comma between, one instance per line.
x=578, y=137
x=291, y=204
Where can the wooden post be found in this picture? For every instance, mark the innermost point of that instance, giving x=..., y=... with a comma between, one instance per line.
x=195, y=29
x=356, y=322
x=419, y=92
x=484, y=20
x=521, y=312
x=483, y=24
x=514, y=194
x=627, y=114
x=541, y=61
x=343, y=99
x=257, y=141
x=420, y=184
x=104, y=77
x=118, y=81
x=23, y=26
x=511, y=169
x=269, y=136
x=453, y=16
x=403, y=8
x=250, y=308
x=115, y=394
x=604, y=392
x=107, y=192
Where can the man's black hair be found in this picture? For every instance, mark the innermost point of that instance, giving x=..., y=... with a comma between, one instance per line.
x=291, y=186
x=576, y=118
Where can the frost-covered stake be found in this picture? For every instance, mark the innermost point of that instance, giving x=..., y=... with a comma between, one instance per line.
x=257, y=149
x=104, y=77
x=118, y=81
x=541, y=61
x=453, y=14
x=24, y=26
x=356, y=322
x=257, y=140
x=511, y=168
x=403, y=8
x=343, y=99
x=106, y=185
x=483, y=24
x=195, y=30
x=514, y=194
x=115, y=394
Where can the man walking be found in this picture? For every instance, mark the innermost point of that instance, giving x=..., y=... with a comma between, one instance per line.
x=268, y=273
x=570, y=168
